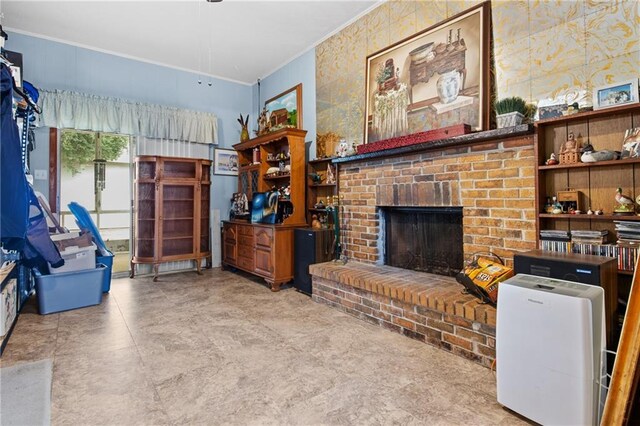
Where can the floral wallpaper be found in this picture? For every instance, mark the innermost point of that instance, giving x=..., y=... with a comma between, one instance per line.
x=542, y=48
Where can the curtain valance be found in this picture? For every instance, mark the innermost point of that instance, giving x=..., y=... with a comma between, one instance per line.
x=65, y=109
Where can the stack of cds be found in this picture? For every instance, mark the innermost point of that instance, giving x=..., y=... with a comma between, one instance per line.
x=628, y=232
x=628, y=243
x=555, y=240
x=589, y=236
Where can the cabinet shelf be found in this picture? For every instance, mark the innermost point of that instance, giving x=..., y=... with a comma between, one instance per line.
x=589, y=165
x=286, y=160
x=607, y=112
x=322, y=185
x=321, y=160
x=183, y=237
x=267, y=177
x=607, y=217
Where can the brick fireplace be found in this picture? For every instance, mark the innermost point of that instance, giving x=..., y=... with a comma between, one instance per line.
x=488, y=177
x=426, y=239
x=493, y=181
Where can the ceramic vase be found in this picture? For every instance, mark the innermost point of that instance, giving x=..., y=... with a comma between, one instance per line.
x=244, y=134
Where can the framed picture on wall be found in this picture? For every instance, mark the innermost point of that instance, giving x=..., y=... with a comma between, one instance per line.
x=436, y=78
x=225, y=162
x=616, y=94
x=285, y=109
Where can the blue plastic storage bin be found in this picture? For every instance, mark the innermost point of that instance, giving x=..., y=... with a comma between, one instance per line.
x=108, y=262
x=70, y=290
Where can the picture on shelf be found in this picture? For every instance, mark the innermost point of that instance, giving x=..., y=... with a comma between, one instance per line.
x=616, y=94
x=631, y=143
x=264, y=207
x=225, y=162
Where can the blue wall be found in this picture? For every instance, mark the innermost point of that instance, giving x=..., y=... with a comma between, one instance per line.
x=300, y=70
x=53, y=65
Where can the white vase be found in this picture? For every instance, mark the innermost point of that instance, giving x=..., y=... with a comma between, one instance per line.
x=448, y=86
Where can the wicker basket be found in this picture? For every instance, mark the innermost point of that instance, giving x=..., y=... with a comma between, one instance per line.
x=509, y=120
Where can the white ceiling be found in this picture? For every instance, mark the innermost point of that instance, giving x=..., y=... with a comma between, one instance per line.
x=236, y=40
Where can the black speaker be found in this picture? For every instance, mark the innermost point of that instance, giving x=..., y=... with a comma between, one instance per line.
x=582, y=268
x=310, y=246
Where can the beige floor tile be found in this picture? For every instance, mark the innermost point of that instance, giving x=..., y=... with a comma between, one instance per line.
x=221, y=348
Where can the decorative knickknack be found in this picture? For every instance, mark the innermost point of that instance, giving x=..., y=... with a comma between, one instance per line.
x=244, y=134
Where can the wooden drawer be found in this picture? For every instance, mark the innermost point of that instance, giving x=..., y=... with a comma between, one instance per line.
x=245, y=241
x=264, y=237
x=245, y=230
x=245, y=251
x=245, y=263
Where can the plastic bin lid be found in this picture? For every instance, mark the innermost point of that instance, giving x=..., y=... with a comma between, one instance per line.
x=84, y=221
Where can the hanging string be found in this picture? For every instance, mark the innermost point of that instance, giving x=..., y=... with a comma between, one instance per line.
x=199, y=39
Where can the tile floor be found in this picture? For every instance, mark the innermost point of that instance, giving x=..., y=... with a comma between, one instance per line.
x=222, y=349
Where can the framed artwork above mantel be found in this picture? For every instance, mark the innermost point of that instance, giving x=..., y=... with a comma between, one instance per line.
x=436, y=78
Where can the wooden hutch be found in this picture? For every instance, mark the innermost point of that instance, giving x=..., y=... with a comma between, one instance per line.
x=171, y=211
x=266, y=250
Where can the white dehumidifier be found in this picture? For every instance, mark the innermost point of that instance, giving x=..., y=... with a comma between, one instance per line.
x=550, y=350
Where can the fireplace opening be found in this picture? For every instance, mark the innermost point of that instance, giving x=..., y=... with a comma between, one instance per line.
x=427, y=239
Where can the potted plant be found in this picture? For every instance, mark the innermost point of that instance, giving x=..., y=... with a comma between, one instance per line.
x=510, y=111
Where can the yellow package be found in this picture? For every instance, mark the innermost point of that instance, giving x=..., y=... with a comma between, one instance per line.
x=487, y=274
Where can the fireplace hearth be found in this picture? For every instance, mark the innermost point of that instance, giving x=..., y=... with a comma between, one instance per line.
x=427, y=239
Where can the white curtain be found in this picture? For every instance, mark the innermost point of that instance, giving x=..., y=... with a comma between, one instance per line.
x=73, y=110
x=172, y=148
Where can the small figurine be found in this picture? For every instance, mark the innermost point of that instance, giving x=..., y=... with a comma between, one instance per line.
x=331, y=179
x=570, y=150
x=556, y=206
x=626, y=205
x=315, y=223
x=319, y=205
x=286, y=191
x=599, y=212
x=590, y=155
x=589, y=212
x=553, y=160
x=263, y=122
x=315, y=178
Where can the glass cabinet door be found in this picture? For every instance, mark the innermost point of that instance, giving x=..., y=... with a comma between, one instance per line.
x=178, y=215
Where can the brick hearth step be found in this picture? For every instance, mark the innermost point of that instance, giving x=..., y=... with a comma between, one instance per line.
x=426, y=307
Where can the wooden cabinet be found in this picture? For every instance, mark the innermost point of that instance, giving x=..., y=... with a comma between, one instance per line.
x=321, y=190
x=171, y=211
x=281, y=148
x=263, y=250
x=272, y=161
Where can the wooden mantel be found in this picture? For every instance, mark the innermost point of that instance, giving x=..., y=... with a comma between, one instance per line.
x=452, y=142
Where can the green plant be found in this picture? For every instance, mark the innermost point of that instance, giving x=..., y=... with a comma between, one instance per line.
x=78, y=149
x=530, y=112
x=513, y=104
